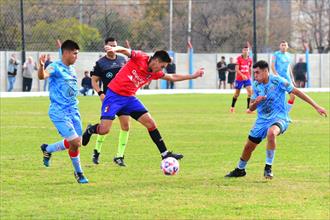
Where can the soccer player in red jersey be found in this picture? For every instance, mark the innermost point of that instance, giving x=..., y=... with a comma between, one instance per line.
x=120, y=96
x=243, y=78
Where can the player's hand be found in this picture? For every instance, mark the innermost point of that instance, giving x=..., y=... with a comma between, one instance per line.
x=109, y=49
x=58, y=44
x=199, y=73
x=321, y=111
x=244, y=77
x=102, y=96
x=42, y=59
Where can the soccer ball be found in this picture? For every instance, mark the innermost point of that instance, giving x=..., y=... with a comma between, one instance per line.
x=169, y=166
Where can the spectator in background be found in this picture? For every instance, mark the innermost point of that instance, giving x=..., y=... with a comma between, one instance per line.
x=231, y=72
x=12, y=72
x=86, y=84
x=28, y=69
x=300, y=73
x=48, y=61
x=170, y=69
x=222, y=68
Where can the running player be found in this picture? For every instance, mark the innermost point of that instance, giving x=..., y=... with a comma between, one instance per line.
x=281, y=66
x=120, y=96
x=243, y=78
x=63, y=109
x=105, y=70
x=269, y=100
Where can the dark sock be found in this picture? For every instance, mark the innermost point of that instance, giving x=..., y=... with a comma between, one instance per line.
x=157, y=139
x=93, y=129
x=248, y=102
x=233, y=102
x=267, y=167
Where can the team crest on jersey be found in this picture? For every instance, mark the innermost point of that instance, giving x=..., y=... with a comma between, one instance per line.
x=109, y=75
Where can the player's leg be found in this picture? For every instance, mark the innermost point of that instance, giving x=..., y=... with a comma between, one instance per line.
x=238, y=87
x=276, y=129
x=101, y=128
x=122, y=139
x=249, y=94
x=98, y=147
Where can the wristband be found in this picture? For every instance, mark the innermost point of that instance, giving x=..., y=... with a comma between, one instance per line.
x=100, y=92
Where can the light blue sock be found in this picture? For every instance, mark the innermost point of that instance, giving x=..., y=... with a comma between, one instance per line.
x=241, y=164
x=76, y=164
x=270, y=154
x=58, y=146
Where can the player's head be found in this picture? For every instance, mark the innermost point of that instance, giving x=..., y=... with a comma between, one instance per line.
x=245, y=51
x=231, y=60
x=284, y=46
x=159, y=61
x=223, y=58
x=112, y=42
x=70, y=50
x=261, y=71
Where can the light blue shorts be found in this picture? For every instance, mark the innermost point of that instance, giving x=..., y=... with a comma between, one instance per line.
x=68, y=122
x=260, y=128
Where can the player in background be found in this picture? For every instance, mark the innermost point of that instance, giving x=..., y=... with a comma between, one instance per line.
x=63, y=109
x=105, y=70
x=243, y=78
x=269, y=99
x=281, y=66
x=120, y=96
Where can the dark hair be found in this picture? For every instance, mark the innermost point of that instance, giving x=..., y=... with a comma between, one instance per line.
x=109, y=39
x=223, y=57
x=284, y=41
x=261, y=64
x=162, y=55
x=69, y=45
x=246, y=47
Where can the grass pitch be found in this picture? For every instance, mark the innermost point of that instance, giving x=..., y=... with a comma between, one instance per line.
x=200, y=127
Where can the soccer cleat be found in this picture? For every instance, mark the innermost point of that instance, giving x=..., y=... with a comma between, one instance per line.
x=80, y=178
x=170, y=154
x=47, y=156
x=96, y=157
x=87, y=135
x=232, y=109
x=268, y=174
x=236, y=173
x=119, y=161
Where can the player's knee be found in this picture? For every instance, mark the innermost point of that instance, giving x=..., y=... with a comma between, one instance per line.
x=271, y=135
x=75, y=144
x=151, y=125
x=103, y=130
x=125, y=127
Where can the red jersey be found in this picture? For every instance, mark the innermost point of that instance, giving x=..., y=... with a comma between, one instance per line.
x=133, y=75
x=244, y=65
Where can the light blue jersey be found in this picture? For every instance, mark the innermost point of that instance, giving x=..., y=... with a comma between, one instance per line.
x=282, y=62
x=63, y=85
x=63, y=90
x=273, y=110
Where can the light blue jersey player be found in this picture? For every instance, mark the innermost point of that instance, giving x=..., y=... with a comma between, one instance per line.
x=281, y=66
x=63, y=109
x=272, y=120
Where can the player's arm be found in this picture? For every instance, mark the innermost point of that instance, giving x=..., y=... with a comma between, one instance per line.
x=310, y=101
x=273, y=65
x=118, y=49
x=182, y=77
x=42, y=73
x=255, y=102
x=95, y=84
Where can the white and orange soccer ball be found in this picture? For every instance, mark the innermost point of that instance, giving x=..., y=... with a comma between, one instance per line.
x=170, y=166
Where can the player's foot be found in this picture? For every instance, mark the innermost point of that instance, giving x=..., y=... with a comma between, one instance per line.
x=96, y=157
x=236, y=173
x=232, y=109
x=268, y=174
x=87, y=135
x=119, y=161
x=248, y=111
x=171, y=154
x=47, y=156
x=80, y=178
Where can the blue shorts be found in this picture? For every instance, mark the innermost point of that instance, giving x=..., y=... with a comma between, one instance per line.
x=240, y=83
x=115, y=104
x=260, y=128
x=67, y=122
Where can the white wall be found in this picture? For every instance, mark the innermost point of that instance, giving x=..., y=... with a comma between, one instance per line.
x=319, y=66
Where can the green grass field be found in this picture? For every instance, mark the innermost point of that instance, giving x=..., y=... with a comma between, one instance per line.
x=200, y=127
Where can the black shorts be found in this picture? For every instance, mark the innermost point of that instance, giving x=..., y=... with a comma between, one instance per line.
x=222, y=76
x=300, y=77
x=231, y=77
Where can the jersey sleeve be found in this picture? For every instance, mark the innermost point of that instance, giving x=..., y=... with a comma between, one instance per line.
x=96, y=70
x=52, y=70
x=136, y=54
x=285, y=85
x=158, y=75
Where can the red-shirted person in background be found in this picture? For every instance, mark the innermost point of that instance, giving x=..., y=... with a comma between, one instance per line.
x=120, y=97
x=243, y=78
